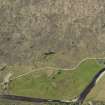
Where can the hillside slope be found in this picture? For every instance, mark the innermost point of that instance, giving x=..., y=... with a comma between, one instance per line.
x=30, y=30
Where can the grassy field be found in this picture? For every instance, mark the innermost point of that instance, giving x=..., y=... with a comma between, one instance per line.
x=56, y=85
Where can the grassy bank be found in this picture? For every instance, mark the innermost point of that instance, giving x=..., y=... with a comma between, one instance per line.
x=58, y=85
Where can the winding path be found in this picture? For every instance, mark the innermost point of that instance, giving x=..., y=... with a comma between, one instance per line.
x=55, y=68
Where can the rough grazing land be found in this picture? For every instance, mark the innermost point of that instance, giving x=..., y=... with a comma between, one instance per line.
x=36, y=33
x=72, y=29
x=63, y=85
